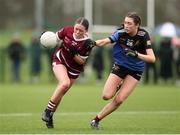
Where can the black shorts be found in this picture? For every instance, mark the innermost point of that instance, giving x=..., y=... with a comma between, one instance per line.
x=122, y=72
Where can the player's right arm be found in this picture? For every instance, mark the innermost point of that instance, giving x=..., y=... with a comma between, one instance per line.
x=102, y=42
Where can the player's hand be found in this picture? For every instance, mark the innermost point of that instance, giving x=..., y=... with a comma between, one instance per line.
x=73, y=51
x=130, y=52
x=89, y=43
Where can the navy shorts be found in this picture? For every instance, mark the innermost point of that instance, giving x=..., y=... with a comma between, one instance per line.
x=122, y=72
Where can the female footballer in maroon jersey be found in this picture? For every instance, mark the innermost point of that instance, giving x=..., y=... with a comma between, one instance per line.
x=68, y=62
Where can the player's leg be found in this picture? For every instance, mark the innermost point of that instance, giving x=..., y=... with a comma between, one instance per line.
x=127, y=87
x=111, y=86
x=109, y=91
x=119, y=86
x=64, y=83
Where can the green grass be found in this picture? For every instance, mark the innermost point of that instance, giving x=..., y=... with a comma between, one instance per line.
x=149, y=110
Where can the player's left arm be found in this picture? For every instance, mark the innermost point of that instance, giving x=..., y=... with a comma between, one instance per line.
x=149, y=56
x=76, y=56
x=79, y=59
x=88, y=45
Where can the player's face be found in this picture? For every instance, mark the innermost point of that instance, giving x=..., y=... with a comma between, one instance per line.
x=79, y=31
x=130, y=27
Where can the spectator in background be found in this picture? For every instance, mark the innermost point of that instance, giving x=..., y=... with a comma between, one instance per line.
x=16, y=53
x=35, y=60
x=151, y=67
x=166, y=59
x=176, y=57
x=98, y=64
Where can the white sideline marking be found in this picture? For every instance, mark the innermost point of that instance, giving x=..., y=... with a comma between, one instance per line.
x=92, y=134
x=15, y=114
x=91, y=113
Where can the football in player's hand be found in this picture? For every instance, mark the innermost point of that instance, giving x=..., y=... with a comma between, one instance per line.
x=49, y=39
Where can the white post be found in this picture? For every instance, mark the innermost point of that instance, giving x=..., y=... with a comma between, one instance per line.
x=88, y=13
x=150, y=14
x=39, y=15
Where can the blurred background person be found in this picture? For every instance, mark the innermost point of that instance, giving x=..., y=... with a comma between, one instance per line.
x=16, y=53
x=35, y=59
x=165, y=54
x=98, y=64
x=176, y=57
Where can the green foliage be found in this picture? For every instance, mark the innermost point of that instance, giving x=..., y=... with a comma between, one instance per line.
x=149, y=110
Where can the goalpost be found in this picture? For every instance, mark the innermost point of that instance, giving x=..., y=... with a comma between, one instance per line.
x=88, y=13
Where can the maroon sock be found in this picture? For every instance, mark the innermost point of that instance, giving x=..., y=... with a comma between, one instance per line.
x=51, y=106
x=97, y=119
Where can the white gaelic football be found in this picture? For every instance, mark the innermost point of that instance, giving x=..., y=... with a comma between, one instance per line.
x=48, y=39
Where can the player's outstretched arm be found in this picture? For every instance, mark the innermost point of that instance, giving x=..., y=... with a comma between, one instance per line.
x=102, y=42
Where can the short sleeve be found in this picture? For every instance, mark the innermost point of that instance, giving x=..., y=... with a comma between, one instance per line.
x=147, y=41
x=60, y=34
x=114, y=37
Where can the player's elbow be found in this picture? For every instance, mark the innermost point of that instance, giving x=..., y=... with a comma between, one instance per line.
x=152, y=60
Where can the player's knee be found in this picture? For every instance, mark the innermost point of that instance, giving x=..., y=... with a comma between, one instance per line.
x=106, y=96
x=64, y=85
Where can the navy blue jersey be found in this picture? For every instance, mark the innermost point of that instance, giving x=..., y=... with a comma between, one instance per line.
x=140, y=42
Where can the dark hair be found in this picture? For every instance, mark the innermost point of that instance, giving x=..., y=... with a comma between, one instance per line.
x=135, y=17
x=83, y=21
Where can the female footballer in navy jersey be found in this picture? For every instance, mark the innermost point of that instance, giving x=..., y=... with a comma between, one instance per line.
x=68, y=62
x=132, y=48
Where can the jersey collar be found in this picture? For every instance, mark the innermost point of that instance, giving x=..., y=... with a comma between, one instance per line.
x=81, y=39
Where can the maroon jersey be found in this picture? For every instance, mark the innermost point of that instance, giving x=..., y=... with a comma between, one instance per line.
x=62, y=55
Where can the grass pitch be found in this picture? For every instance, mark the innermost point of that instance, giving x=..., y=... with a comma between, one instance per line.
x=148, y=110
